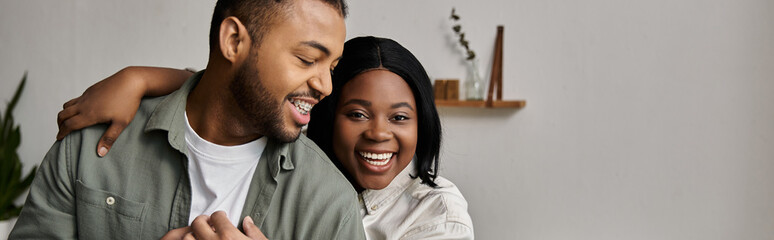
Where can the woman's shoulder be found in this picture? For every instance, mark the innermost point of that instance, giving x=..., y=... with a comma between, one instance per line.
x=441, y=208
x=446, y=196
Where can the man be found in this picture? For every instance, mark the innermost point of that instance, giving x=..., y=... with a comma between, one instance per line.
x=227, y=141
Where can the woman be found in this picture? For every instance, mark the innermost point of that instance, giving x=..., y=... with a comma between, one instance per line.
x=379, y=126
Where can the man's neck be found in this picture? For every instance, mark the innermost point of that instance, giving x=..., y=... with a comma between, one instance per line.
x=213, y=112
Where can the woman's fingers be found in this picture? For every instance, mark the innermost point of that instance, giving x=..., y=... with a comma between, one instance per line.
x=64, y=115
x=70, y=103
x=109, y=137
x=73, y=123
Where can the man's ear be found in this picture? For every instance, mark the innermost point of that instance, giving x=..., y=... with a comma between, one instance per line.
x=234, y=39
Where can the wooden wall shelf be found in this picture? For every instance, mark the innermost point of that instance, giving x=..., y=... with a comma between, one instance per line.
x=481, y=104
x=495, y=82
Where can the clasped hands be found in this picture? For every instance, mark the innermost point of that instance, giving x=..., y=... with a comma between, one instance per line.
x=216, y=226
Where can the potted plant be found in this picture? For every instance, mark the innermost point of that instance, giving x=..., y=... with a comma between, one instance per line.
x=474, y=85
x=12, y=183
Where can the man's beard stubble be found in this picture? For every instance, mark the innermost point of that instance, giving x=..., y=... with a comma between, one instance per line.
x=256, y=102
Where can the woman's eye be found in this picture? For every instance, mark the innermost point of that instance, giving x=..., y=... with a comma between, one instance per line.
x=400, y=118
x=356, y=115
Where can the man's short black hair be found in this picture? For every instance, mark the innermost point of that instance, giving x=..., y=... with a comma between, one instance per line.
x=256, y=15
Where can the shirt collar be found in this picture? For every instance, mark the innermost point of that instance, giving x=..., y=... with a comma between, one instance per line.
x=278, y=157
x=374, y=200
x=169, y=116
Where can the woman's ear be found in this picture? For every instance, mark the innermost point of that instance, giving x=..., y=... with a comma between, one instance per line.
x=234, y=40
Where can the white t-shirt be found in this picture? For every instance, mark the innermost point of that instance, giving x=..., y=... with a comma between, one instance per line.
x=220, y=175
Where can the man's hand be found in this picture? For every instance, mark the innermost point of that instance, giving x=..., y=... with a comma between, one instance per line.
x=216, y=226
x=177, y=233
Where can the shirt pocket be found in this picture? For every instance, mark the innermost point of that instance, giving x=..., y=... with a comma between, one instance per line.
x=105, y=215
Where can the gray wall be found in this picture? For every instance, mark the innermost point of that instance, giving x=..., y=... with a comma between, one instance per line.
x=645, y=119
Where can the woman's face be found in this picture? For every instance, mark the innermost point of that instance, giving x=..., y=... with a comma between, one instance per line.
x=375, y=128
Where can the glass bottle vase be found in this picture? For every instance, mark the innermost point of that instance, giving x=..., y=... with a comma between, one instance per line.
x=474, y=84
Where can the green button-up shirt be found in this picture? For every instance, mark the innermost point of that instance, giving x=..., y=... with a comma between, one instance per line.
x=141, y=189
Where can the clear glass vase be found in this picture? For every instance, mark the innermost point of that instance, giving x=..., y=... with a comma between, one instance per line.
x=474, y=84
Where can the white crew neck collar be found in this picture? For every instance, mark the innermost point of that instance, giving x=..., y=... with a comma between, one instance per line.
x=243, y=152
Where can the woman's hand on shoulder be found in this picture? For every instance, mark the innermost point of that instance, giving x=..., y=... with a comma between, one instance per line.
x=113, y=100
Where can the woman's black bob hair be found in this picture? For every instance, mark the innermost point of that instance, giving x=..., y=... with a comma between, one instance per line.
x=366, y=53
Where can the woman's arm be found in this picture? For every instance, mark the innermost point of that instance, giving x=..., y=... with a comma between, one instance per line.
x=160, y=81
x=115, y=100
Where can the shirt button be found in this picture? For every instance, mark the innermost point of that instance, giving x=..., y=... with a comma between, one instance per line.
x=110, y=200
x=374, y=208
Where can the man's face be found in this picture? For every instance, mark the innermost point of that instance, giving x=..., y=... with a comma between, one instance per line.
x=290, y=71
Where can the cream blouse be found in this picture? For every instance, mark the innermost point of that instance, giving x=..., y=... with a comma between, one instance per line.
x=407, y=209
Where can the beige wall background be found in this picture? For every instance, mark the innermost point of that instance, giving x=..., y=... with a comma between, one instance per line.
x=644, y=119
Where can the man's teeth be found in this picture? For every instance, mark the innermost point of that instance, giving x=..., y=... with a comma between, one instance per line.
x=378, y=159
x=302, y=107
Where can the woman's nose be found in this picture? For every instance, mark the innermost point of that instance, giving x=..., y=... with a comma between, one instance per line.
x=378, y=132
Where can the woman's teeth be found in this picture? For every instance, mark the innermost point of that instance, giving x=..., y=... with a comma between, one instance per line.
x=302, y=107
x=377, y=159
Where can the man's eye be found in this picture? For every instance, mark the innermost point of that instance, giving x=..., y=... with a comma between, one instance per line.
x=305, y=62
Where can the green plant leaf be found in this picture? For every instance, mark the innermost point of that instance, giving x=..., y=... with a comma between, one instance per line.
x=10, y=212
x=11, y=183
x=463, y=42
x=28, y=179
x=471, y=55
x=10, y=166
x=7, y=123
x=6, y=126
x=3, y=130
x=22, y=186
x=7, y=194
x=6, y=166
x=16, y=96
x=14, y=140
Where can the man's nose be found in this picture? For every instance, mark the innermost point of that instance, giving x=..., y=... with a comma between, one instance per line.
x=322, y=82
